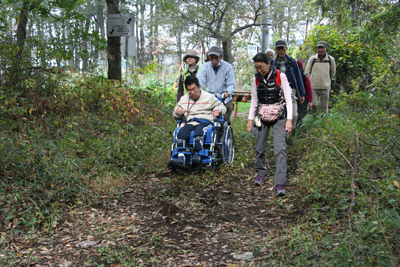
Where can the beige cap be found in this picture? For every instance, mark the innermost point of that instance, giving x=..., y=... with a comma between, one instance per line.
x=191, y=53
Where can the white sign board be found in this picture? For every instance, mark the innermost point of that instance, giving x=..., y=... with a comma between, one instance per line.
x=128, y=46
x=252, y=49
x=120, y=25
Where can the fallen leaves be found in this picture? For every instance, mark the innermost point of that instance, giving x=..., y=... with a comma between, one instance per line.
x=158, y=220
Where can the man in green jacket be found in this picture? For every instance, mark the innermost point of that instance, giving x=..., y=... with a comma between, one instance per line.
x=321, y=68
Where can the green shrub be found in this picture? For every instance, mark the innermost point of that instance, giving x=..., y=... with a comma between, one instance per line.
x=73, y=138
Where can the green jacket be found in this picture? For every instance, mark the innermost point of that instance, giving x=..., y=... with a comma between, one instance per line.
x=186, y=73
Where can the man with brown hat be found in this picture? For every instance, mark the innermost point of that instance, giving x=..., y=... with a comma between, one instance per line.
x=321, y=68
x=217, y=77
x=191, y=58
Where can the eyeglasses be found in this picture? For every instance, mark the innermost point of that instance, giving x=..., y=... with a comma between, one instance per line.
x=280, y=48
x=192, y=90
x=189, y=57
x=261, y=67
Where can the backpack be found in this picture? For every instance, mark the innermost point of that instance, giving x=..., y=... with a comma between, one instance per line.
x=329, y=61
x=277, y=79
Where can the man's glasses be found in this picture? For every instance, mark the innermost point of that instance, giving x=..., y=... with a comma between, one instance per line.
x=280, y=48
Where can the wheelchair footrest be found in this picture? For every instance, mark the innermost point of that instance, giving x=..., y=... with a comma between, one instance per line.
x=206, y=155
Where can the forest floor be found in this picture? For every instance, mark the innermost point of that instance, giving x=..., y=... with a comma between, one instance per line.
x=190, y=218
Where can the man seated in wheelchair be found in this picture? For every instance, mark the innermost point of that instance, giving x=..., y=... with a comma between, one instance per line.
x=197, y=110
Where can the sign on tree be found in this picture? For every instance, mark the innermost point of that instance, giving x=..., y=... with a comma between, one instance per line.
x=120, y=25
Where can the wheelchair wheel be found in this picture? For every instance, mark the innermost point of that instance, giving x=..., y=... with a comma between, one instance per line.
x=228, y=148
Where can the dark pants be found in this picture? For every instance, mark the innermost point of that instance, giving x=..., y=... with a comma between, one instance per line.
x=200, y=130
x=229, y=109
x=302, y=111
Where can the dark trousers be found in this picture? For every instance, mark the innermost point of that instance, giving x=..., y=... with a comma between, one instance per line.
x=200, y=130
x=302, y=111
x=229, y=109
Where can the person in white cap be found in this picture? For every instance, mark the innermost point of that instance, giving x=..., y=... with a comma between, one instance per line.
x=217, y=77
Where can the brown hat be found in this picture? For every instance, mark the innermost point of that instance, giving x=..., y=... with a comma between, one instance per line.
x=191, y=53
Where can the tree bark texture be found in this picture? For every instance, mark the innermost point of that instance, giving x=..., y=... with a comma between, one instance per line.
x=142, y=52
x=226, y=51
x=21, y=30
x=114, y=47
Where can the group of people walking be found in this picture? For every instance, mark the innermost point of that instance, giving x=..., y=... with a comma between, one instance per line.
x=282, y=92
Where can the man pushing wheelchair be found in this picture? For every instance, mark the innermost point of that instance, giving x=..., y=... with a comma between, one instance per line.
x=196, y=110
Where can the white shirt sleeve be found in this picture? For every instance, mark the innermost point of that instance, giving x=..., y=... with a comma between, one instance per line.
x=254, y=100
x=288, y=95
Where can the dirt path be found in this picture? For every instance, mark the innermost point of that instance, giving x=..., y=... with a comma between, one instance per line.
x=166, y=220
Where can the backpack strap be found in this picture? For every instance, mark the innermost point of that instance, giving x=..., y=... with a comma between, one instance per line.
x=278, y=79
x=330, y=65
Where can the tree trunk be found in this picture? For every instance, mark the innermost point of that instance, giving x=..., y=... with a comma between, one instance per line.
x=98, y=27
x=288, y=27
x=85, y=45
x=114, y=47
x=179, y=47
x=151, y=35
x=227, y=51
x=70, y=46
x=77, y=59
x=142, y=52
x=40, y=34
x=156, y=34
x=21, y=30
x=306, y=28
x=354, y=9
x=100, y=18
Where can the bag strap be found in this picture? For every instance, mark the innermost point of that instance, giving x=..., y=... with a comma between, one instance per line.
x=330, y=65
x=278, y=79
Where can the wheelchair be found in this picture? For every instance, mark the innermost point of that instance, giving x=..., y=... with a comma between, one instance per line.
x=218, y=147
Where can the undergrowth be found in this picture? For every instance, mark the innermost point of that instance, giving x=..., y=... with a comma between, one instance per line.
x=67, y=139
x=346, y=224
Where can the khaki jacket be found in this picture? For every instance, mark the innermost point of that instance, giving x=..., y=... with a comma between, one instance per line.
x=202, y=108
x=322, y=72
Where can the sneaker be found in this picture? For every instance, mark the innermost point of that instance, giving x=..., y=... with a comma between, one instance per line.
x=259, y=180
x=196, y=160
x=181, y=159
x=280, y=190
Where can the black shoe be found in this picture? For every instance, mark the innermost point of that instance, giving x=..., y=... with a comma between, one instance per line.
x=196, y=160
x=179, y=163
x=174, y=164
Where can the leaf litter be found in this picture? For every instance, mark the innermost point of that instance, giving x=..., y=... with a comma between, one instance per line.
x=164, y=221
